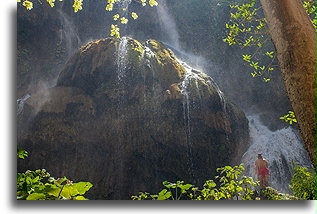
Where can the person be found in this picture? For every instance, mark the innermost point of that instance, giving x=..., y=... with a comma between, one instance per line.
x=262, y=170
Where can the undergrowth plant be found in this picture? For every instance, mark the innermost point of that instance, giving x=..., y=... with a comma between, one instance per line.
x=303, y=183
x=232, y=184
x=39, y=185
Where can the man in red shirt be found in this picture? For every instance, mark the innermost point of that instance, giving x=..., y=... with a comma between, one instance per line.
x=262, y=170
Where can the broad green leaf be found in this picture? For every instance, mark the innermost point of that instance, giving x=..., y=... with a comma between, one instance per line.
x=68, y=191
x=36, y=196
x=164, y=194
x=80, y=198
x=82, y=187
x=52, y=190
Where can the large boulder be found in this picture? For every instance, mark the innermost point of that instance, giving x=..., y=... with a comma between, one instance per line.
x=127, y=116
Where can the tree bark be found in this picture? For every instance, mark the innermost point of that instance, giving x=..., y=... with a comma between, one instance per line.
x=294, y=37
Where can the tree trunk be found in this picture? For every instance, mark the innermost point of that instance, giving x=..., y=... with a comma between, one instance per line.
x=294, y=37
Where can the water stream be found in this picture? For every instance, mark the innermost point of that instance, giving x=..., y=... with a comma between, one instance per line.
x=193, y=100
x=281, y=148
x=186, y=114
x=122, y=62
x=68, y=34
x=122, y=58
x=168, y=24
x=20, y=103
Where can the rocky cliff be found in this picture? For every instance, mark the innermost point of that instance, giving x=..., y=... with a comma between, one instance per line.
x=48, y=36
x=128, y=115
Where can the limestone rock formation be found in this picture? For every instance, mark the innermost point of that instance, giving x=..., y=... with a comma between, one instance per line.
x=127, y=116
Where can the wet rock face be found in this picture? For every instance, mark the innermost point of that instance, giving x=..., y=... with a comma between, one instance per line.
x=127, y=116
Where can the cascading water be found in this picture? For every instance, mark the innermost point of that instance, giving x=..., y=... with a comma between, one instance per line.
x=281, y=148
x=20, y=103
x=68, y=34
x=122, y=58
x=168, y=24
x=122, y=51
x=186, y=112
x=187, y=86
x=171, y=36
x=191, y=59
x=124, y=4
x=221, y=95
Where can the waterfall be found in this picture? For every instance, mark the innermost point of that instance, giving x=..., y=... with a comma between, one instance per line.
x=121, y=117
x=186, y=103
x=168, y=24
x=122, y=58
x=20, y=103
x=191, y=59
x=68, y=34
x=124, y=3
x=281, y=148
x=186, y=113
x=188, y=90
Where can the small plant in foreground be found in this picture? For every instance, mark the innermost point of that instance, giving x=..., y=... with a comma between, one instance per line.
x=233, y=185
x=38, y=185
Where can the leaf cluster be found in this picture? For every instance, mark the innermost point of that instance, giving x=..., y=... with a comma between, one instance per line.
x=122, y=13
x=303, y=183
x=77, y=4
x=22, y=153
x=289, y=118
x=247, y=28
x=232, y=184
x=39, y=185
x=120, y=6
x=31, y=186
x=310, y=7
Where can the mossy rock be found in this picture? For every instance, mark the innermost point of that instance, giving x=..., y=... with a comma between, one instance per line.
x=157, y=120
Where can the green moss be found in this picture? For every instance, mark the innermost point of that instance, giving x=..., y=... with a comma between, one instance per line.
x=137, y=48
x=154, y=45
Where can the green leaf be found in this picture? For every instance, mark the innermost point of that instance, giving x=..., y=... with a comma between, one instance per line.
x=68, y=191
x=28, y=5
x=116, y=17
x=153, y=3
x=246, y=58
x=164, y=194
x=80, y=198
x=186, y=186
x=22, y=153
x=255, y=65
x=134, y=15
x=169, y=184
x=36, y=196
x=52, y=190
x=82, y=187
x=124, y=20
